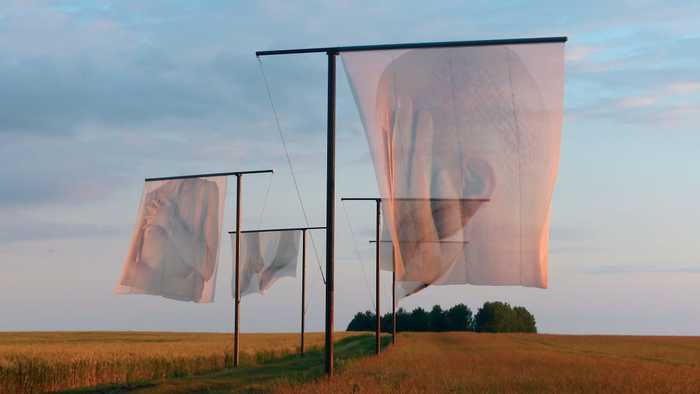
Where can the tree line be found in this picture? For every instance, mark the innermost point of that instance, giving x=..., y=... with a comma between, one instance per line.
x=491, y=317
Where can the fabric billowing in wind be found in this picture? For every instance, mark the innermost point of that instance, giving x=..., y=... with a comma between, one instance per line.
x=175, y=246
x=465, y=144
x=266, y=257
x=386, y=263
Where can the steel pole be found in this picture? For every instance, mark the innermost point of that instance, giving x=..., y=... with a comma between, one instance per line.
x=330, y=212
x=447, y=44
x=376, y=285
x=393, y=307
x=303, y=287
x=237, y=298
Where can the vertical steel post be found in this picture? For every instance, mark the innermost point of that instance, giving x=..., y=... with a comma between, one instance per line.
x=378, y=335
x=330, y=212
x=303, y=287
x=237, y=297
x=393, y=307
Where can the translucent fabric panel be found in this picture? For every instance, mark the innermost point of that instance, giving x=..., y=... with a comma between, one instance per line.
x=386, y=263
x=265, y=258
x=430, y=235
x=465, y=144
x=175, y=246
x=450, y=252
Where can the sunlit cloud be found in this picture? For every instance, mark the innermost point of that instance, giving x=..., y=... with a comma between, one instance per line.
x=579, y=53
x=30, y=229
x=663, y=268
x=637, y=102
x=685, y=87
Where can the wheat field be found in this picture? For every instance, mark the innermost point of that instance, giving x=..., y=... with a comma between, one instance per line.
x=419, y=363
x=520, y=363
x=49, y=361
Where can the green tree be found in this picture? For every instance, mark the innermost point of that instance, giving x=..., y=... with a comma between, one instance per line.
x=362, y=322
x=403, y=320
x=501, y=317
x=419, y=321
x=459, y=318
x=525, y=321
x=491, y=317
x=387, y=322
x=438, y=320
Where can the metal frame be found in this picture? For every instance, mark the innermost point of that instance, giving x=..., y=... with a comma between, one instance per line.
x=444, y=44
x=303, y=290
x=393, y=274
x=330, y=215
x=441, y=199
x=332, y=52
x=447, y=241
x=237, y=293
x=279, y=229
x=415, y=199
x=378, y=328
x=393, y=283
x=303, y=269
x=213, y=174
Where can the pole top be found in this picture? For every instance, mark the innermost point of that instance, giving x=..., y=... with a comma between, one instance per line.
x=280, y=229
x=354, y=48
x=372, y=241
x=213, y=174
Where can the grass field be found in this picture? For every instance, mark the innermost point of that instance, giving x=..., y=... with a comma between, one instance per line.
x=38, y=362
x=267, y=376
x=421, y=362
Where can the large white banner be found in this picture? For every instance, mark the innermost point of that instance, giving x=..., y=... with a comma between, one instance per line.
x=465, y=144
x=175, y=247
x=266, y=257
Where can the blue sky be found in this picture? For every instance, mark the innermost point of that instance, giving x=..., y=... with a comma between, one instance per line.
x=97, y=95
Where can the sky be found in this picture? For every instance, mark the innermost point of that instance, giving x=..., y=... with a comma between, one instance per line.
x=97, y=95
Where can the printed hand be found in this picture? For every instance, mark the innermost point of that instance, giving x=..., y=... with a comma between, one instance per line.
x=160, y=212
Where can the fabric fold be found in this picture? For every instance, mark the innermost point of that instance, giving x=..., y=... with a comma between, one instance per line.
x=465, y=145
x=266, y=257
x=175, y=245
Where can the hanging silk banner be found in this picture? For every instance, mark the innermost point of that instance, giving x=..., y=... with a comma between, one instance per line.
x=386, y=263
x=465, y=145
x=175, y=246
x=265, y=257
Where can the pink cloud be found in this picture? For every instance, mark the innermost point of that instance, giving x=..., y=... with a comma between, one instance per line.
x=579, y=53
x=637, y=102
x=685, y=87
